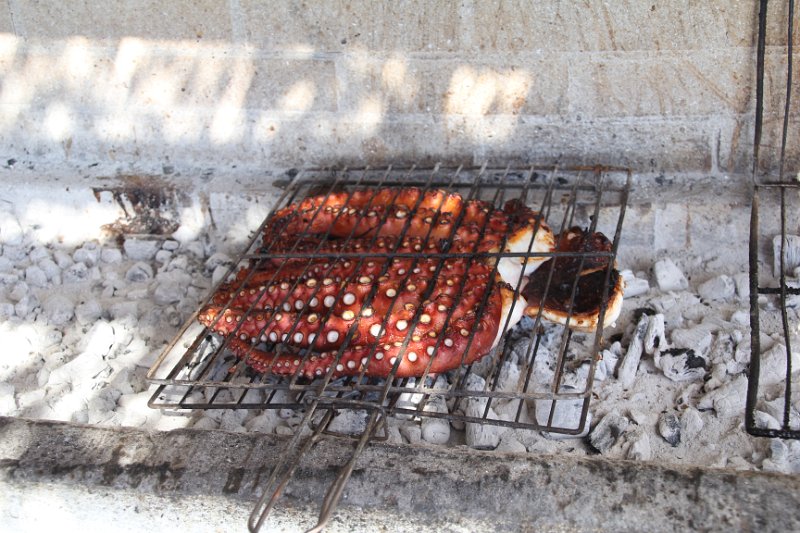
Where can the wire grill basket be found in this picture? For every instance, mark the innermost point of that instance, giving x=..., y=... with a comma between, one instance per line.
x=774, y=234
x=198, y=371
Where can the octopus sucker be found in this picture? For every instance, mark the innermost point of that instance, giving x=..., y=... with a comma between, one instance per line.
x=403, y=315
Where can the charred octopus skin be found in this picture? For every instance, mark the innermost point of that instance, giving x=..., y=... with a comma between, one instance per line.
x=400, y=309
x=551, y=294
x=408, y=309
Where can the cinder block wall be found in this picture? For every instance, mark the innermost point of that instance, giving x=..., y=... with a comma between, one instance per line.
x=144, y=85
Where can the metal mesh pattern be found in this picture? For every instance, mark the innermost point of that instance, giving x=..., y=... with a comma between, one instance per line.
x=773, y=295
x=197, y=370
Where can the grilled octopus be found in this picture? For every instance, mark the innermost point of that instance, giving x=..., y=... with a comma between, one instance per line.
x=384, y=282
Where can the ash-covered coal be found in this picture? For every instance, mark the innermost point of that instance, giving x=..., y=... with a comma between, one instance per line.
x=81, y=325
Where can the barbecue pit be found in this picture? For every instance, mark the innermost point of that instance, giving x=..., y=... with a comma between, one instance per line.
x=186, y=137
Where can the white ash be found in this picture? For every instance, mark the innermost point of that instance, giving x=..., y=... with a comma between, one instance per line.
x=82, y=323
x=639, y=448
x=634, y=285
x=669, y=277
x=141, y=249
x=608, y=431
x=435, y=430
x=791, y=258
x=719, y=288
x=626, y=373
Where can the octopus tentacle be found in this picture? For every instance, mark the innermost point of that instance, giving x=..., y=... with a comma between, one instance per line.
x=465, y=340
x=260, y=316
x=405, y=311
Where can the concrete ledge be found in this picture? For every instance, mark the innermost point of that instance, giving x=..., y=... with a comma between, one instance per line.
x=208, y=478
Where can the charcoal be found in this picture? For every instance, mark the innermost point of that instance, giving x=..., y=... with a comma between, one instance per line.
x=626, y=372
x=698, y=339
x=435, y=430
x=111, y=255
x=566, y=415
x=640, y=449
x=139, y=272
x=691, y=422
x=75, y=273
x=170, y=245
x=728, y=400
x=669, y=427
x=140, y=249
x=791, y=259
x=87, y=254
x=8, y=278
x=783, y=457
x=634, y=286
x=218, y=259
x=775, y=408
x=718, y=288
x=26, y=305
x=163, y=256
x=669, y=277
x=219, y=274
x=58, y=309
x=38, y=253
x=8, y=404
x=11, y=232
x=773, y=365
x=682, y=364
x=19, y=291
x=654, y=337
x=35, y=276
x=88, y=311
x=765, y=420
x=608, y=431
x=62, y=259
x=480, y=436
x=349, y=422
x=742, y=282
x=197, y=248
x=411, y=432
x=510, y=444
x=6, y=310
x=509, y=378
x=51, y=270
x=206, y=422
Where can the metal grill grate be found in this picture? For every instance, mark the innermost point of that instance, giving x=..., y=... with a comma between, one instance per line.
x=774, y=296
x=198, y=371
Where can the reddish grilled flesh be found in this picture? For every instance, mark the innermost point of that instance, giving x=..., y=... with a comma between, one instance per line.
x=413, y=312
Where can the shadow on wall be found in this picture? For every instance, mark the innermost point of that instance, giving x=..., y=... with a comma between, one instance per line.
x=80, y=101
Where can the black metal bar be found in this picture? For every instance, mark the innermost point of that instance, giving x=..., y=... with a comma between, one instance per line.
x=767, y=190
x=761, y=47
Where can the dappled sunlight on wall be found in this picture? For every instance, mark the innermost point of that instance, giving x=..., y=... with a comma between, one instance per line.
x=215, y=103
x=489, y=99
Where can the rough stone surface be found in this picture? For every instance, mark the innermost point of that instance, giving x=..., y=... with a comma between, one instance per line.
x=124, y=469
x=383, y=82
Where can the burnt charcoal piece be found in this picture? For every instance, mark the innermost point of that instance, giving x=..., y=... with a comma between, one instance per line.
x=682, y=364
x=606, y=433
x=669, y=427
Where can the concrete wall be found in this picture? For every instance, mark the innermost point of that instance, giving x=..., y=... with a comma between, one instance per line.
x=99, y=86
